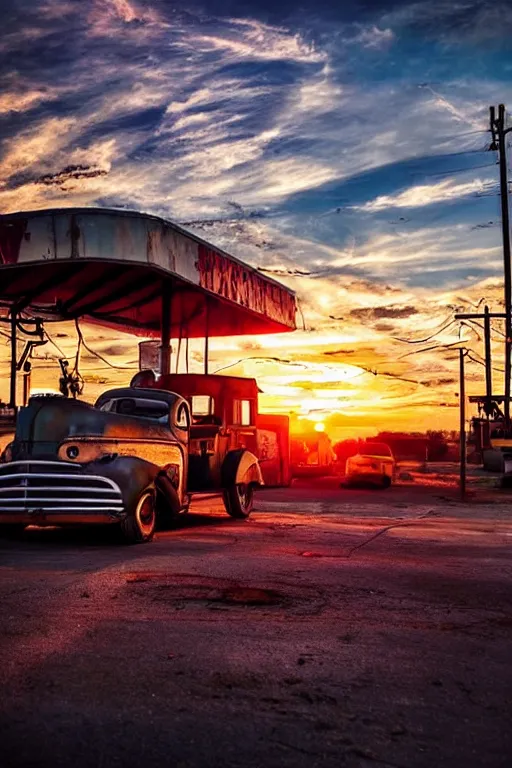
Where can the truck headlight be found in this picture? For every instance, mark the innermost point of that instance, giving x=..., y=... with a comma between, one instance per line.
x=72, y=452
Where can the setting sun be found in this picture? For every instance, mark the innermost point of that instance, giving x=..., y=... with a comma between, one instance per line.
x=319, y=426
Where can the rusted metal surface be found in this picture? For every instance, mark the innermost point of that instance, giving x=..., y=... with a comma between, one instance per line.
x=71, y=462
x=109, y=265
x=237, y=282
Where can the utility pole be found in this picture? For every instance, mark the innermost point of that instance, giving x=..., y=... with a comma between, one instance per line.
x=488, y=368
x=499, y=143
x=462, y=428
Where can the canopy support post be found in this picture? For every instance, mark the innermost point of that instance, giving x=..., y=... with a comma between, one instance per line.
x=165, y=330
x=206, y=339
x=14, y=358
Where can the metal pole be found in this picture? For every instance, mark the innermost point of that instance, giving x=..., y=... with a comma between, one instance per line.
x=14, y=356
x=26, y=386
x=498, y=130
x=206, y=340
x=488, y=369
x=506, y=258
x=462, y=429
x=165, y=330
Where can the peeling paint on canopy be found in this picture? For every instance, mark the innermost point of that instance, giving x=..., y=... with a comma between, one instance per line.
x=110, y=267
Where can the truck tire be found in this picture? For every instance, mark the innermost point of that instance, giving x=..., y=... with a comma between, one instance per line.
x=238, y=500
x=140, y=523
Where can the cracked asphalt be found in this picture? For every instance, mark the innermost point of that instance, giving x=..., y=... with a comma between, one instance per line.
x=334, y=628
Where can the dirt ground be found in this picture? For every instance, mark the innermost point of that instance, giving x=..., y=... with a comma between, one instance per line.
x=334, y=628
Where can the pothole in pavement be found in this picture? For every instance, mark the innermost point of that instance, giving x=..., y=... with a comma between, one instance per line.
x=251, y=596
x=212, y=597
x=179, y=590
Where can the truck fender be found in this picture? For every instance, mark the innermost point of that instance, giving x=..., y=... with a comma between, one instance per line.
x=130, y=473
x=133, y=474
x=164, y=486
x=241, y=466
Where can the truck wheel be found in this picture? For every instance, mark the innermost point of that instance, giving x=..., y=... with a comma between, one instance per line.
x=238, y=500
x=386, y=481
x=140, y=523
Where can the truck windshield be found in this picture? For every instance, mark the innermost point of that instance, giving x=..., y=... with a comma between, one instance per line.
x=144, y=408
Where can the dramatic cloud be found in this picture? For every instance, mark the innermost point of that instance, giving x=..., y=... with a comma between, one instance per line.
x=373, y=37
x=340, y=150
x=428, y=194
x=385, y=312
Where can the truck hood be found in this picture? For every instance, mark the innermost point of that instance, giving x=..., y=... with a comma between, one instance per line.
x=45, y=422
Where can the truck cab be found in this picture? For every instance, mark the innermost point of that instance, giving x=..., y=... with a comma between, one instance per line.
x=223, y=422
x=135, y=457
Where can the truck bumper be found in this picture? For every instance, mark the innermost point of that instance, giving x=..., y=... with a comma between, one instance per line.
x=371, y=478
x=37, y=492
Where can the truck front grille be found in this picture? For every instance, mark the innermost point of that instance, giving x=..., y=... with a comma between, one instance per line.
x=56, y=487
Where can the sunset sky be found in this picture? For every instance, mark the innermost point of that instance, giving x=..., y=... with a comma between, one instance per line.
x=345, y=142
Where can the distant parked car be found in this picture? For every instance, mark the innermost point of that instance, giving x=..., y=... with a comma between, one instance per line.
x=374, y=464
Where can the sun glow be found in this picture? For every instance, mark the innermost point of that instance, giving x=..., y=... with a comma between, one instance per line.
x=319, y=426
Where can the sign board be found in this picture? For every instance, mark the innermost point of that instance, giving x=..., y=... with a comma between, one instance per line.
x=149, y=355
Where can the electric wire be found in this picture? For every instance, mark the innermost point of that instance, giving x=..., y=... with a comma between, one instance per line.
x=480, y=325
x=54, y=343
x=457, y=170
x=427, y=338
x=97, y=354
x=258, y=358
x=474, y=360
x=429, y=349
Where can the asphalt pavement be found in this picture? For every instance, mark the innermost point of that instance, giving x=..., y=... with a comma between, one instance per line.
x=334, y=628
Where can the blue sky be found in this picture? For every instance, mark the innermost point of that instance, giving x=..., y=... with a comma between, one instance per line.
x=347, y=140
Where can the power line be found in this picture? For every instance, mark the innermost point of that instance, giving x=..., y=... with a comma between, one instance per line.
x=475, y=322
x=429, y=349
x=494, y=368
x=465, y=133
x=393, y=376
x=458, y=170
x=51, y=340
x=258, y=358
x=428, y=338
x=83, y=343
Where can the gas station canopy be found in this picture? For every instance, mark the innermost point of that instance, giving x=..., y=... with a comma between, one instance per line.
x=113, y=267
